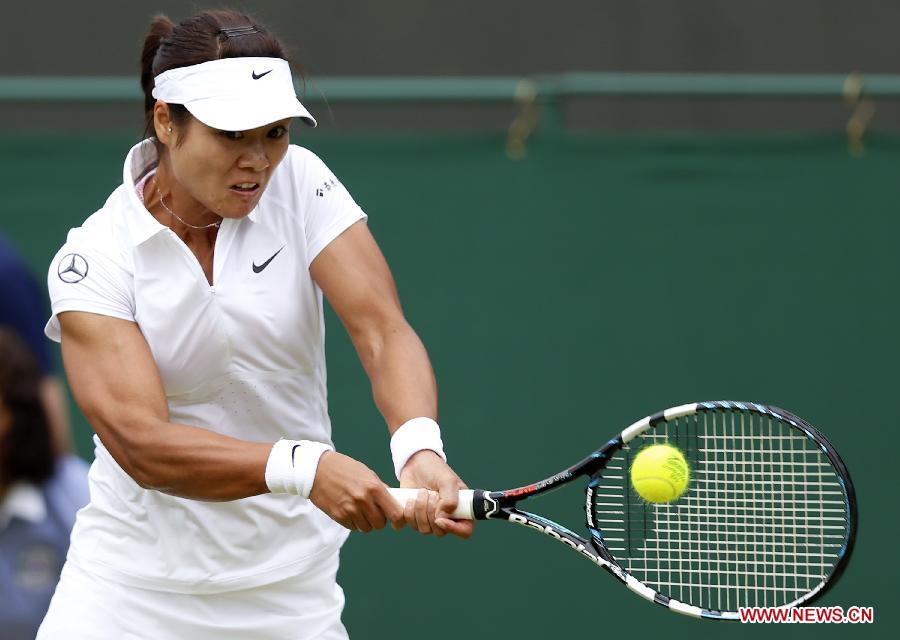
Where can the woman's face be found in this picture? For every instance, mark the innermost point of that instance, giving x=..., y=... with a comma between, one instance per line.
x=224, y=171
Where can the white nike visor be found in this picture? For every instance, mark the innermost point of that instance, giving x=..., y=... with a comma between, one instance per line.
x=234, y=94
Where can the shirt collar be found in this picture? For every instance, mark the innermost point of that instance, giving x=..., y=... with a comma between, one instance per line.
x=24, y=501
x=139, y=162
x=141, y=159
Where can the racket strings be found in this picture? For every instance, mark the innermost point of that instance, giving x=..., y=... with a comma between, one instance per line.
x=763, y=521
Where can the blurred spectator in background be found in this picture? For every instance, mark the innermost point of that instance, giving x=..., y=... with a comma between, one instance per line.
x=40, y=493
x=23, y=309
x=41, y=485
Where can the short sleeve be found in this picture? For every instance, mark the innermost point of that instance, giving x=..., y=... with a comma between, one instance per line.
x=85, y=275
x=329, y=210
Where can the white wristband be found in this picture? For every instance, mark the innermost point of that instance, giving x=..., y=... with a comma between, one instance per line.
x=419, y=434
x=292, y=466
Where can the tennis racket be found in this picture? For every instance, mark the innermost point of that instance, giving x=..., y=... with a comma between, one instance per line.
x=769, y=518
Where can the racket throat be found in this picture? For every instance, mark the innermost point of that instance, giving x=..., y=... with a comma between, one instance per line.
x=555, y=531
x=485, y=506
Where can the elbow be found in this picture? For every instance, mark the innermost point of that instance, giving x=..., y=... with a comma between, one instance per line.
x=373, y=339
x=142, y=461
x=144, y=475
x=134, y=443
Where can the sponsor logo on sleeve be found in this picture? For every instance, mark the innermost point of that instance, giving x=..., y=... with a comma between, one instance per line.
x=72, y=268
x=326, y=186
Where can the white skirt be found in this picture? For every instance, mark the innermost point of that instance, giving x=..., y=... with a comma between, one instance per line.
x=307, y=607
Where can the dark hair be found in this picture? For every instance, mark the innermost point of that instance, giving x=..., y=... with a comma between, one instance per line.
x=26, y=449
x=194, y=41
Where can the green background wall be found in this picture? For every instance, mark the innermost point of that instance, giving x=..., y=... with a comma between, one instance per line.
x=562, y=297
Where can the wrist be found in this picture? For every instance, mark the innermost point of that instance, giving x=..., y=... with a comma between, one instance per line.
x=418, y=434
x=292, y=465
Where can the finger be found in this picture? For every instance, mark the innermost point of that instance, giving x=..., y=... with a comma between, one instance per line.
x=398, y=524
x=449, y=494
x=401, y=520
x=423, y=522
x=460, y=528
x=434, y=501
x=368, y=510
x=361, y=522
x=409, y=514
x=374, y=515
x=392, y=509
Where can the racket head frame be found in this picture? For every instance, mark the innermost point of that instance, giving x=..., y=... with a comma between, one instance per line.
x=503, y=505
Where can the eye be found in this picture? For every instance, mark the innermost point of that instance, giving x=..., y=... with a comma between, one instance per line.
x=232, y=135
x=278, y=132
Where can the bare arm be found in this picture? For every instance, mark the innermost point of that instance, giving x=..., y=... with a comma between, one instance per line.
x=355, y=278
x=116, y=384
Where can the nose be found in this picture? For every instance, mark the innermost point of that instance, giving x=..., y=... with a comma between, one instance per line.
x=254, y=157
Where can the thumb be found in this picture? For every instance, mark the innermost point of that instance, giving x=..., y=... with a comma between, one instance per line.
x=449, y=492
x=390, y=506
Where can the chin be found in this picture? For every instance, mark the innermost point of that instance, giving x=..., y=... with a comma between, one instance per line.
x=236, y=214
x=237, y=210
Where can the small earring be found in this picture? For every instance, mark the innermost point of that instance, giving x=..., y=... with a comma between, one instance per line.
x=170, y=129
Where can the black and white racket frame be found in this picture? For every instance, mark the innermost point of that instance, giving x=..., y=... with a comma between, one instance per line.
x=502, y=505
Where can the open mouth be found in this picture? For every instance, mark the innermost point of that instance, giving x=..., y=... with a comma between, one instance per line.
x=246, y=188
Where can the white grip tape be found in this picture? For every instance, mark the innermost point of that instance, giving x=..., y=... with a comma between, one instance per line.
x=418, y=434
x=463, y=509
x=292, y=466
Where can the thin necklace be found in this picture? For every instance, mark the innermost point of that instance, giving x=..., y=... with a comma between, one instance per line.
x=177, y=217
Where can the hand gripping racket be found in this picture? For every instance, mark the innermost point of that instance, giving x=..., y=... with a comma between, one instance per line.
x=769, y=517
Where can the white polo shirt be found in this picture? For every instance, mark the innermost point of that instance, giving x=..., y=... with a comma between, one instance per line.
x=245, y=358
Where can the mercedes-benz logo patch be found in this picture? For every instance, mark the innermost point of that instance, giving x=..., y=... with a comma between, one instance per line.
x=72, y=268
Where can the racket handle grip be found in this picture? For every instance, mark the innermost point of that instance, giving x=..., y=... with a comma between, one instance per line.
x=463, y=509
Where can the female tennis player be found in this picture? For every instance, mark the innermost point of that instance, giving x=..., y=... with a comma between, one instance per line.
x=189, y=308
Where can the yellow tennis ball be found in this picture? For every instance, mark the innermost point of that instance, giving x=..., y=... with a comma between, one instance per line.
x=660, y=473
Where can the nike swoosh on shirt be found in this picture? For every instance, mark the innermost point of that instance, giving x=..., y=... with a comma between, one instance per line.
x=264, y=73
x=259, y=267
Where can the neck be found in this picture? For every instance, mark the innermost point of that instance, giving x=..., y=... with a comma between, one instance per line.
x=175, y=208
